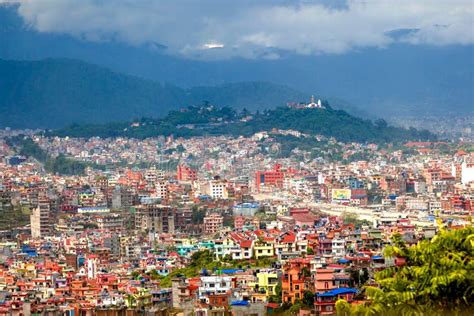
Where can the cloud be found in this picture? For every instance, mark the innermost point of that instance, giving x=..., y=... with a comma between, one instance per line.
x=254, y=29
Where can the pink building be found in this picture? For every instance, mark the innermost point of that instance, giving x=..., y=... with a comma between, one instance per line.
x=213, y=223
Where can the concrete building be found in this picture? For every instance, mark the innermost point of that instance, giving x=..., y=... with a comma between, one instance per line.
x=213, y=223
x=215, y=285
x=110, y=222
x=40, y=220
x=467, y=173
x=155, y=218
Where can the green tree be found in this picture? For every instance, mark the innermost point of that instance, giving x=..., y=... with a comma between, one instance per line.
x=198, y=215
x=308, y=298
x=437, y=278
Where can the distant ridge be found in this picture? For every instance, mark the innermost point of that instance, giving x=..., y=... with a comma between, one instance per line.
x=54, y=93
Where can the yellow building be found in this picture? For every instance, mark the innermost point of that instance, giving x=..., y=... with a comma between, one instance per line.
x=266, y=283
x=263, y=249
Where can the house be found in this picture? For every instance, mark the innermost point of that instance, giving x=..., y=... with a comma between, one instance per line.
x=326, y=301
x=263, y=247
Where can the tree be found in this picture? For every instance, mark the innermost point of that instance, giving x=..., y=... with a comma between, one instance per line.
x=380, y=124
x=308, y=298
x=437, y=278
x=351, y=218
x=277, y=297
x=359, y=277
x=198, y=215
x=343, y=308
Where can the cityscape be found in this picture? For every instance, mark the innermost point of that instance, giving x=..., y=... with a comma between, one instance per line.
x=124, y=194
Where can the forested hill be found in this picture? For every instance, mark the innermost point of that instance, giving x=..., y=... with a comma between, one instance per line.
x=210, y=120
x=54, y=93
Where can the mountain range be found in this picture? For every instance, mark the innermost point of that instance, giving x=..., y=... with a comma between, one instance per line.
x=53, y=93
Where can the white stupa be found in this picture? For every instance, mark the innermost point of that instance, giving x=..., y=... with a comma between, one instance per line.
x=314, y=105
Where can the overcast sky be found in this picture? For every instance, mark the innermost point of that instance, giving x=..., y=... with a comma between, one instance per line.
x=256, y=28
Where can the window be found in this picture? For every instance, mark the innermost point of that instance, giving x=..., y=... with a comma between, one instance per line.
x=326, y=285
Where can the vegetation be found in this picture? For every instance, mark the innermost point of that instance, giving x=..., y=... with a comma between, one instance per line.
x=203, y=262
x=208, y=120
x=437, y=279
x=33, y=94
x=62, y=165
x=352, y=218
x=13, y=216
x=198, y=215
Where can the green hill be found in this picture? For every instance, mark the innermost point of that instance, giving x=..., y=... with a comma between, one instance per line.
x=210, y=120
x=53, y=93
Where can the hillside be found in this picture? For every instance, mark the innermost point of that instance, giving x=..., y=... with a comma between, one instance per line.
x=53, y=93
x=210, y=120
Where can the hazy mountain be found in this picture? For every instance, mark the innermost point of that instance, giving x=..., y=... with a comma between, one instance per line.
x=399, y=79
x=57, y=92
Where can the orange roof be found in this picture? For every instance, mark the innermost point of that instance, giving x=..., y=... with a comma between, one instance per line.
x=246, y=243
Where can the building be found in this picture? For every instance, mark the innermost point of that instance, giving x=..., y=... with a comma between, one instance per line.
x=216, y=189
x=213, y=223
x=40, y=220
x=296, y=273
x=155, y=218
x=123, y=197
x=213, y=285
x=161, y=190
x=325, y=303
x=110, y=222
x=467, y=173
x=266, y=283
x=268, y=178
x=246, y=209
x=185, y=173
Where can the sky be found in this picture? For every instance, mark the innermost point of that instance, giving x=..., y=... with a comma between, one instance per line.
x=264, y=29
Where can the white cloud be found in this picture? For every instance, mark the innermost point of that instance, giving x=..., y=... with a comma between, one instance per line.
x=253, y=29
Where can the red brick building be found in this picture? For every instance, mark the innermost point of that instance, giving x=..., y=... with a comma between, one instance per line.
x=185, y=173
x=272, y=177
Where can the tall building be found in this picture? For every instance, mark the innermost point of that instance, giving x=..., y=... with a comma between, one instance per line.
x=270, y=177
x=185, y=173
x=155, y=218
x=161, y=190
x=40, y=220
x=213, y=223
x=123, y=197
x=216, y=189
x=467, y=172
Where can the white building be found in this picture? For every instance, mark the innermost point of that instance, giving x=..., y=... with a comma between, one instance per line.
x=218, y=189
x=338, y=247
x=467, y=172
x=91, y=267
x=161, y=190
x=215, y=285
